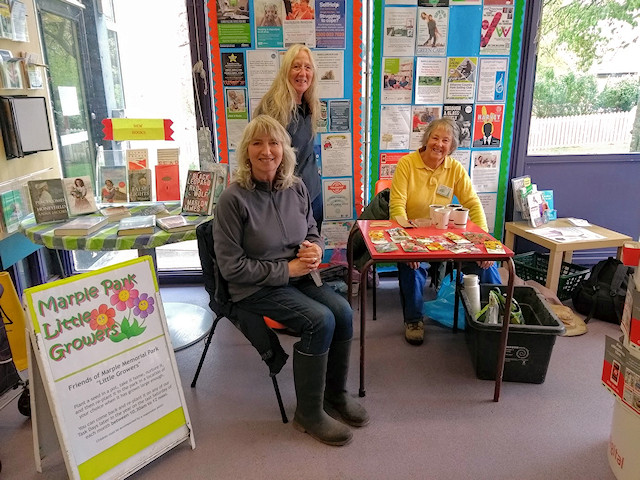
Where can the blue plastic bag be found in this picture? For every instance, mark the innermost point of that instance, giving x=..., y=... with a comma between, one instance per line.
x=490, y=275
x=441, y=309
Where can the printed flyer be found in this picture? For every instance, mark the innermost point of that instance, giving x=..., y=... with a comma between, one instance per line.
x=397, y=80
x=487, y=127
x=433, y=25
x=106, y=354
x=461, y=79
x=234, y=29
x=492, y=80
x=330, y=24
x=338, y=199
x=497, y=30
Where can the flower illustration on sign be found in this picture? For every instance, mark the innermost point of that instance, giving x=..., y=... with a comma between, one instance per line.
x=140, y=305
x=102, y=318
x=125, y=297
x=144, y=306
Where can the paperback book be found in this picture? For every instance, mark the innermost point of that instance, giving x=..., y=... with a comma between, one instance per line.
x=176, y=223
x=198, y=193
x=140, y=185
x=137, y=158
x=115, y=214
x=12, y=209
x=80, y=197
x=139, y=225
x=113, y=181
x=48, y=200
x=167, y=182
x=81, y=226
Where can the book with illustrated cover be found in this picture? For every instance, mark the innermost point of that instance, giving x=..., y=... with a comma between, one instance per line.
x=137, y=158
x=536, y=207
x=12, y=209
x=113, y=184
x=157, y=209
x=167, y=182
x=140, y=185
x=80, y=197
x=176, y=223
x=81, y=226
x=115, y=214
x=516, y=186
x=48, y=200
x=198, y=193
x=140, y=225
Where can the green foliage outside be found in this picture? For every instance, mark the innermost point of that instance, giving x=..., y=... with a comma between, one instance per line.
x=575, y=35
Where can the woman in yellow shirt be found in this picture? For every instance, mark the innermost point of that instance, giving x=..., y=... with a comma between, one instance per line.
x=430, y=176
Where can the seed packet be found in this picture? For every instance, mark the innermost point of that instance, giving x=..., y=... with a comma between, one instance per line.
x=457, y=239
x=386, y=247
x=494, y=247
x=423, y=240
x=413, y=246
x=458, y=249
x=398, y=234
x=476, y=237
x=377, y=236
x=435, y=246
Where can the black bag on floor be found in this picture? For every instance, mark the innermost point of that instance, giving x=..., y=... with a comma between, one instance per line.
x=602, y=294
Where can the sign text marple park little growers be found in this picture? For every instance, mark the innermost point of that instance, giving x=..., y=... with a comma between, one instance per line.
x=90, y=326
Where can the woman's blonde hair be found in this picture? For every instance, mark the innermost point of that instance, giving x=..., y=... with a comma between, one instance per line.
x=447, y=123
x=280, y=101
x=266, y=125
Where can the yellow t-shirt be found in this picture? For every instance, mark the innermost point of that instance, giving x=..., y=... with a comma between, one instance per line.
x=416, y=186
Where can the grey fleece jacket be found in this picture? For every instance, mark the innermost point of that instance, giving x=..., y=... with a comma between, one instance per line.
x=256, y=233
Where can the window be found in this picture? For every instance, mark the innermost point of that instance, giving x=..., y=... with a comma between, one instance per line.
x=587, y=79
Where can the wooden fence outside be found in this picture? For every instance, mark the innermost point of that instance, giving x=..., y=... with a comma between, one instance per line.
x=581, y=131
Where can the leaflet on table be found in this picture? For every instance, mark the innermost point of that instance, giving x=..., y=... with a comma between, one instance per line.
x=399, y=31
x=395, y=127
x=330, y=72
x=621, y=373
x=336, y=154
x=566, y=234
x=430, y=75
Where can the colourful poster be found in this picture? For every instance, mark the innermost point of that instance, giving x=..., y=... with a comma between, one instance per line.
x=497, y=30
x=233, y=73
x=330, y=24
x=234, y=29
x=487, y=127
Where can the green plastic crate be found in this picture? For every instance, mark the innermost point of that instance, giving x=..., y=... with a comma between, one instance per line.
x=534, y=266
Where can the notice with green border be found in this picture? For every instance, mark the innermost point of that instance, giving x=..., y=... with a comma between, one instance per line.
x=108, y=366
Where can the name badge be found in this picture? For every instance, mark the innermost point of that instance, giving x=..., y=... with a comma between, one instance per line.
x=444, y=191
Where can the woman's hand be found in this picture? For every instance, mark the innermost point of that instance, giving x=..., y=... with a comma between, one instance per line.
x=485, y=264
x=308, y=259
x=413, y=265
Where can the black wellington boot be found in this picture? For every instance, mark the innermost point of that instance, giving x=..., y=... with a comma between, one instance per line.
x=309, y=376
x=337, y=401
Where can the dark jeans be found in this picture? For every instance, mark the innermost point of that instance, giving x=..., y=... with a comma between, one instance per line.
x=319, y=314
x=412, y=284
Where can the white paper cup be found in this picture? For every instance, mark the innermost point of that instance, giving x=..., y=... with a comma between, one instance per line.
x=432, y=208
x=441, y=218
x=460, y=217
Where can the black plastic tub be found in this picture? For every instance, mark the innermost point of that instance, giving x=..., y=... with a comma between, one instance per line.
x=529, y=346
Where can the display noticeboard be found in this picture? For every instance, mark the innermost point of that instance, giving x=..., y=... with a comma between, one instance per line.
x=100, y=349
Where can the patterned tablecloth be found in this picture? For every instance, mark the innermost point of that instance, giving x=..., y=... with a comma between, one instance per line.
x=107, y=237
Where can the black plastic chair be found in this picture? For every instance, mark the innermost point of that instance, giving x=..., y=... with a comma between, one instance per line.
x=256, y=331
